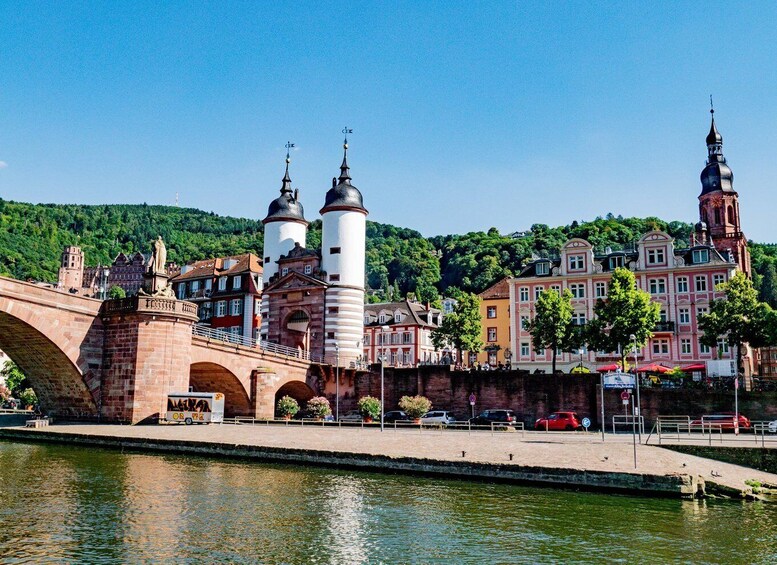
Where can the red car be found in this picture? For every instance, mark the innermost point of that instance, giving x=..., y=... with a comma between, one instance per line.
x=721, y=421
x=558, y=421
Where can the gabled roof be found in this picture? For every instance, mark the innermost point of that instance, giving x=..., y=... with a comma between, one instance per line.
x=500, y=289
x=246, y=263
x=294, y=279
x=414, y=310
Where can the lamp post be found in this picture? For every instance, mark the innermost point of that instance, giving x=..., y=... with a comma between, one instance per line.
x=636, y=382
x=337, y=382
x=383, y=330
x=104, y=278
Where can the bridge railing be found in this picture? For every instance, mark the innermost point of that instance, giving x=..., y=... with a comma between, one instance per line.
x=267, y=346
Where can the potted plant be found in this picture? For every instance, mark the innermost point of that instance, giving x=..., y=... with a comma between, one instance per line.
x=318, y=407
x=287, y=407
x=415, y=406
x=369, y=406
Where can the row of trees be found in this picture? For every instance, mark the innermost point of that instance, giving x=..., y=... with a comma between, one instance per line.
x=628, y=316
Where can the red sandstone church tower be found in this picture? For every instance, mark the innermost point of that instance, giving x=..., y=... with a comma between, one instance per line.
x=719, y=205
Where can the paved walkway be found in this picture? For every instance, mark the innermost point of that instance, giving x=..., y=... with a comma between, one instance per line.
x=583, y=451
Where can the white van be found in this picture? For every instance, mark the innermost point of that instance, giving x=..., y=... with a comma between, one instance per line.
x=195, y=407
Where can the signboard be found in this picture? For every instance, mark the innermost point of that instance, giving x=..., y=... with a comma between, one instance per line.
x=586, y=423
x=619, y=380
x=472, y=399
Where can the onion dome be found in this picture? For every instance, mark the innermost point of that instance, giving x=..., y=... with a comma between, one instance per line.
x=701, y=227
x=716, y=175
x=343, y=195
x=287, y=205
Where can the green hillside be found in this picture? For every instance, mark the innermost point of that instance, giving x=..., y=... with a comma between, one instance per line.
x=399, y=260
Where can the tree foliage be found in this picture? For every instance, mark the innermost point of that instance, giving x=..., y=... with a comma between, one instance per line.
x=626, y=311
x=13, y=377
x=461, y=328
x=116, y=292
x=552, y=326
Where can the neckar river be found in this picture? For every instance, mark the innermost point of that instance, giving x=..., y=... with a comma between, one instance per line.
x=73, y=504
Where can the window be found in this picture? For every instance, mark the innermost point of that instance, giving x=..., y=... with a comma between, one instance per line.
x=685, y=346
x=542, y=268
x=682, y=284
x=208, y=284
x=367, y=339
x=660, y=346
x=221, y=308
x=407, y=337
x=685, y=316
x=557, y=288
x=406, y=358
x=662, y=317
x=722, y=346
x=397, y=316
x=523, y=294
x=308, y=269
x=717, y=215
x=704, y=348
x=578, y=319
x=491, y=312
x=259, y=283
x=333, y=310
x=524, y=349
x=257, y=307
x=701, y=256
x=656, y=257
x=330, y=335
x=236, y=281
x=491, y=334
x=576, y=263
x=382, y=319
x=266, y=260
x=235, y=307
x=334, y=278
x=222, y=283
x=617, y=261
x=334, y=250
x=701, y=311
x=284, y=271
x=601, y=290
x=577, y=290
x=181, y=291
x=538, y=290
x=657, y=286
x=396, y=338
x=195, y=286
x=524, y=322
x=718, y=279
x=701, y=283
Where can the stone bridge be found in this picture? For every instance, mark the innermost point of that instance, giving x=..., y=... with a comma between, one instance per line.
x=117, y=360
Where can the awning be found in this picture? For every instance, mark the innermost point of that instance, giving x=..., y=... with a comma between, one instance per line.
x=694, y=367
x=653, y=368
x=608, y=368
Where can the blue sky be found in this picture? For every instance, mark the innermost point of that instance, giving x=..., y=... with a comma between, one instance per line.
x=466, y=115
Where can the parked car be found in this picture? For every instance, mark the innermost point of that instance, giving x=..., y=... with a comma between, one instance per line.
x=559, y=421
x=352, y=416
x=438, y=417
x=722, y=420
x=395, y=416
x=488, y=417
x=773, y=427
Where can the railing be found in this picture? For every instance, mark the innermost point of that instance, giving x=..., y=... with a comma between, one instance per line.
x=681, y=428
x=664, y=327
x=630, y=421
x=266, y=346
x=149, y=304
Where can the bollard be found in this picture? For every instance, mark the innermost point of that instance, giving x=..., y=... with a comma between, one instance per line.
x=511, y=456
x=463, y=453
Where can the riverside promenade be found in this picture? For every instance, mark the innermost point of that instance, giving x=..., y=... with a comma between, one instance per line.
x=572, y=460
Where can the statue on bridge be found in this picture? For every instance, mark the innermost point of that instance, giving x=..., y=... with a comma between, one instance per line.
x=156, y=277
x=159, y=257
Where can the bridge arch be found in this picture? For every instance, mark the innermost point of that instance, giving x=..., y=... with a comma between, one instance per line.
x=212, y=377
x=298, y=390
x=61, y=387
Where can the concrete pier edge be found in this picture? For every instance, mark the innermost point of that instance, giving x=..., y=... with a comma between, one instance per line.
x=670, y=485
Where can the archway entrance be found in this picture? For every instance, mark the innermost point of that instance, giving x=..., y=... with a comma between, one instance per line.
x=298, y=390
x=58, y=383
x=210, y=377
x=297, y=334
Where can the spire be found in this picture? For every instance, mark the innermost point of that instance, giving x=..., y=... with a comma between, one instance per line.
x=345, y=172
x=714, y=139
x=286, y=183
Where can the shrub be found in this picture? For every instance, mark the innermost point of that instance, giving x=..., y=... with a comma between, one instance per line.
x=287, y=406
x=5, y=394
x=369, y=406
x=28, y=397
x=319, y=406
x=415, y=406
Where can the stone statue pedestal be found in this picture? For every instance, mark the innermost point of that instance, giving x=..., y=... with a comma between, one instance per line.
x=154, y=283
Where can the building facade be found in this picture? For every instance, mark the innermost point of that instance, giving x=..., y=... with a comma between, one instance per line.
x=495, y=324
x=401, y=333
x=682, y=281
x=227, y=291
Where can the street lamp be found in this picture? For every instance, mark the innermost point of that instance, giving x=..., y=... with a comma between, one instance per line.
x=337, y=382
x=383, y=330
x=633, y=339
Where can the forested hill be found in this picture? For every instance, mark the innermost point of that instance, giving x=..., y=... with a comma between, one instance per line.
x=399, y=260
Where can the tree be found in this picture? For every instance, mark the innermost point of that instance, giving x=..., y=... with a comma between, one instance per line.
x=461, y=328
x=552, y=326
x=13, y=377
x=116, y=292
x=739, y=318
x=626, y=311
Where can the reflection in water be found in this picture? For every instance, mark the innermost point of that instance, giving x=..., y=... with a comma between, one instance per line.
x=72, y=504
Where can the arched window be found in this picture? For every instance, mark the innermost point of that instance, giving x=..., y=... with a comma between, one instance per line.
x=704, y=217
x=717, y=217
x=731, y=215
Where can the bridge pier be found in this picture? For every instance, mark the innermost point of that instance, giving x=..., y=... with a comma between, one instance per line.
x=146, y=355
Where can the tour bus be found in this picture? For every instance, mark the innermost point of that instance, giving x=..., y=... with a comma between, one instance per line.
x=195, y=407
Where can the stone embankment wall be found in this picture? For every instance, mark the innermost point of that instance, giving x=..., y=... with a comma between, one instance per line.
x=757, y=458
x=532, y=396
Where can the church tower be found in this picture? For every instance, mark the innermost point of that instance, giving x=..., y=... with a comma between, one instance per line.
x=344, y=227
x=71, y=269
x=719, y=204
x=284, y=227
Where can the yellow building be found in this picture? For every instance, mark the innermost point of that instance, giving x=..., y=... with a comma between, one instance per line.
x=495, y=324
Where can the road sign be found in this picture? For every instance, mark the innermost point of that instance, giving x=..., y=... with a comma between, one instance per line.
x=586, y=423
x=472, y=399
x=625, y=395
x=618, y=380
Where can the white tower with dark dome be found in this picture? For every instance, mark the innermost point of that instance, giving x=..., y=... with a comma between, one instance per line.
x=344, y=228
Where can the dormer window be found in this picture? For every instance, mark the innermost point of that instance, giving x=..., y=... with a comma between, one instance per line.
x=542, y=268
x=576, y=263
x=656, y=257
x=308, y=269
x=382, y=319
x=616, y=261
x=284, y=271
x=236, y=282
x=222, y=283
x=397, y=317
x=701, y=256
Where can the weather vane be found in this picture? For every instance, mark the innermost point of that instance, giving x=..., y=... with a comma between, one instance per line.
x=346, y=131
x=289, y=146
x=712, y=108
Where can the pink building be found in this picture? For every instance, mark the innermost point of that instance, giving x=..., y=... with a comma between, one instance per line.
x=407, y=340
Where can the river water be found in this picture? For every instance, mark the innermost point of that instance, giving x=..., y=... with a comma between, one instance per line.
x=75, y=504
